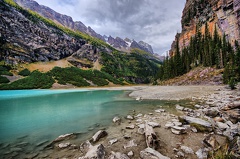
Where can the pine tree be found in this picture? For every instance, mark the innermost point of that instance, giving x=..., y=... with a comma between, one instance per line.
x=237, y=59
x=177, y=60
x=224, y=51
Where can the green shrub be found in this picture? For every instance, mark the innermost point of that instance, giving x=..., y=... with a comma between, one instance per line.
x=35, y=80
x=232, y=83
x=4, y=80
x=6, y=73
x=24, y=72
x=199, y=127
x=71, y=75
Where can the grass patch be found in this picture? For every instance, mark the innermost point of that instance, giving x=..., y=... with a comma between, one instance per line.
x=199, y=127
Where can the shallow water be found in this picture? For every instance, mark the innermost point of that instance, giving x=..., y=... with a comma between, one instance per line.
x=34, y=116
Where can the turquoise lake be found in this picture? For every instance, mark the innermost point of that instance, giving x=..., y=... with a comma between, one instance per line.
x=34, y=116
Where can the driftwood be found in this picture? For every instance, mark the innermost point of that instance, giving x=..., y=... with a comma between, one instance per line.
x=151, y=137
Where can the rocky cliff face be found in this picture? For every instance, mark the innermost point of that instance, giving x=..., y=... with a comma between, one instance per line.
x=57, y=17
x=225, y=14
x=25, y=39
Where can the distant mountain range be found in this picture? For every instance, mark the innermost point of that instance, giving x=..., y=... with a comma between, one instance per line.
x=67, y=21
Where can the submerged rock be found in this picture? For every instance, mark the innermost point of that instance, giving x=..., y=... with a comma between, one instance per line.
x=150, y=153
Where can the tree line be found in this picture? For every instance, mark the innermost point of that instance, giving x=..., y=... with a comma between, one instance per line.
x=204, y=50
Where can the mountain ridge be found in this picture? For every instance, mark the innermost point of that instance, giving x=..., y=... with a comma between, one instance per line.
x=67, y=21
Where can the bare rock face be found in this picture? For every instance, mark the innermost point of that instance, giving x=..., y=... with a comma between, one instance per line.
x=222, y=13
x=26, y=40
x=60, y=18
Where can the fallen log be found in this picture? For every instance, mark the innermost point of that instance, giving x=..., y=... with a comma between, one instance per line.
x=151, y=137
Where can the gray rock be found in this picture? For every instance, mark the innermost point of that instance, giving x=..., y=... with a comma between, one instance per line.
x=198, y=106
x=153, y=124
x=65, y=137
x=141, y=131
x=116, y=119
x=95, y=152
x=130, y=117
x=130, y=154
x=187, y=150
x=118, y=155
x=139, y=115
x=180, y=154
x=197, y=121
x=159, y=110
x=169, y=125
x=139, y=120
x=176, y=123
x=178, y=130
x=194, y=130
x=63, y=145
x=213, y=112
x=130, y=127
x=202, y=153
x=222, y=126
x=178, y=107
x=98, y=135
x=113, y=141
x=141, y=126
x=150, y=153
x=130, y=144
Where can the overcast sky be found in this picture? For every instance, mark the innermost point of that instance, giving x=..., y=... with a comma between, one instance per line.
x=153, y=21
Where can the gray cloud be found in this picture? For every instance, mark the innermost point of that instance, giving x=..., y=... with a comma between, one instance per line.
x=153, y=21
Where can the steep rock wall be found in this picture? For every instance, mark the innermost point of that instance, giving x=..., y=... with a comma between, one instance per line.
x=225, y=14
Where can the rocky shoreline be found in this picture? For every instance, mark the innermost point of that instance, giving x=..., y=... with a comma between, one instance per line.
x=210, y=128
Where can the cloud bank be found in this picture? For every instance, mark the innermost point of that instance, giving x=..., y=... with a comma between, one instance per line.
x=153, y=21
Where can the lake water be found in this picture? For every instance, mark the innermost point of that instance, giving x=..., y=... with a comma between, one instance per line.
x=34, y=116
